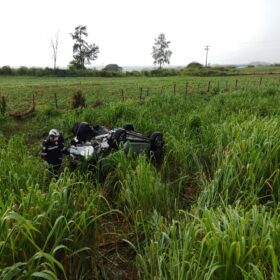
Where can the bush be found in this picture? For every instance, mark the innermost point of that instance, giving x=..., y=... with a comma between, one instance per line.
x=78, y=100
x=215, y=90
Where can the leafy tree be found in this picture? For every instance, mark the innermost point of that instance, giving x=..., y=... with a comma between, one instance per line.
x=83, y=52
x=112, y=67
x=194, y=64
x=161, y=53
x=6, y=70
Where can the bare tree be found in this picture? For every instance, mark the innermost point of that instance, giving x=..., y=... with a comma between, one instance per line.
x=54, y=41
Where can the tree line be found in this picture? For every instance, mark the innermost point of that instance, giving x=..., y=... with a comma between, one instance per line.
x=164, y=72
x=72, y=72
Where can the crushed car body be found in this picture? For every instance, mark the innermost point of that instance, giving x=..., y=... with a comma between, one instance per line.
x=98, y=141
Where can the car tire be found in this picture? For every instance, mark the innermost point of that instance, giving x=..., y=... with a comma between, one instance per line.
x=156, y=140
x=128, y=127
x=118, y=137
x=75, y=128
x=157, y=147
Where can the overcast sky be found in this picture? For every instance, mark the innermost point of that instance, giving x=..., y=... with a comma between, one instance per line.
x=238, y=31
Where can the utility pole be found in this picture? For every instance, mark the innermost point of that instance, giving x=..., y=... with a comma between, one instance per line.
x=206, y=49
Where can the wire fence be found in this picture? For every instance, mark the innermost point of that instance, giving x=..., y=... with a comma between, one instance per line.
x=21, y=98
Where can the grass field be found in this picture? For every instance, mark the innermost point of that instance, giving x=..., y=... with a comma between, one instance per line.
x=20, y=90
x=211, y=211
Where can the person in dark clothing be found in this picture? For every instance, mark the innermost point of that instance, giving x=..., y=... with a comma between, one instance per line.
x=53, y=150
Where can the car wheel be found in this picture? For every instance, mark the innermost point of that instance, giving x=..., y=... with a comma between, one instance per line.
x=128, y=127
x=156, y=140
x=157, y=147
x=118, y=137
x=75, y=128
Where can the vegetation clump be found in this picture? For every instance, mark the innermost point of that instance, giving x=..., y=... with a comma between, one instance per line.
x=195, y=124
x=78, y=100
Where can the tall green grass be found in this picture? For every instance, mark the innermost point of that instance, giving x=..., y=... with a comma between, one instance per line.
x=222, y=243
x=247, y=169
x=209, y=211
x=49, y=227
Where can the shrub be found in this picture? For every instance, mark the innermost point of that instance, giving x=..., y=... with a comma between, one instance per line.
x=78, y=100
x=215, y=90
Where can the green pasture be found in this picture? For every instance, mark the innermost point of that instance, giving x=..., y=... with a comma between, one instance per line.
x=19, y=91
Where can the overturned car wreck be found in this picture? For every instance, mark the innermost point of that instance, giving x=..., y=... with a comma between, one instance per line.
x=98, y=141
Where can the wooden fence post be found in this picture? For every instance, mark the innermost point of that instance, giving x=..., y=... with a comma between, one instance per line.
x=260, y=81
x=174, y=88
x=3, y=105
x=186, y=88
x=55, y=100
x=122, y=94
x=33, y=102
x=209, y=85
x=236, y=83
